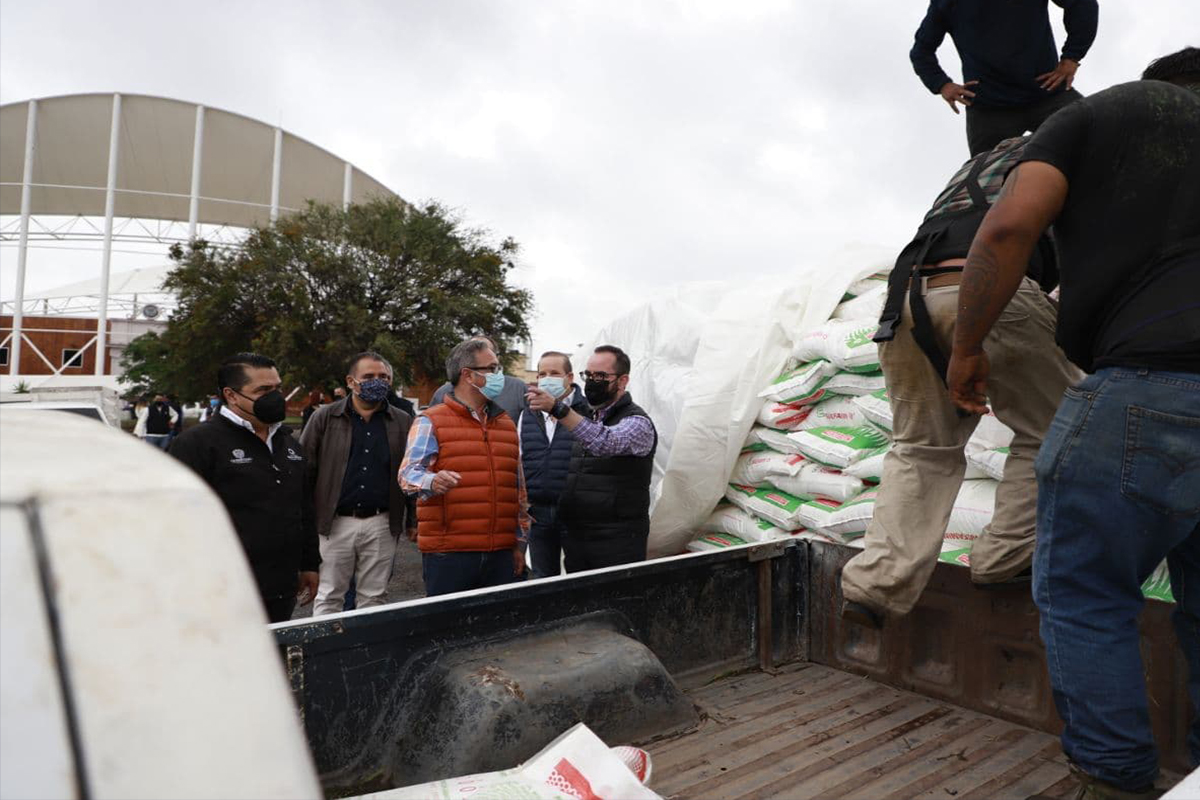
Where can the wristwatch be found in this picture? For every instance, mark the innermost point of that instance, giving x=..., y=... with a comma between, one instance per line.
x=560, y=409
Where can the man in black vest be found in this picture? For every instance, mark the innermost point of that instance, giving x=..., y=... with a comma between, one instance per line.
x=546, y=453
x=606, y=503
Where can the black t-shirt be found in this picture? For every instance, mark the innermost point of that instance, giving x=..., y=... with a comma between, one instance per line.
x=1129, y=233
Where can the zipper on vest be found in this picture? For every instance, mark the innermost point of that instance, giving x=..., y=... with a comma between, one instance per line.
x=492, y=470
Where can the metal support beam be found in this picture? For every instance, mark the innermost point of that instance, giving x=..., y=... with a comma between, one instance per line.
x=110, y=197
x=197, y=163
x=14, y=360
x=347, y=185
x=276, y=174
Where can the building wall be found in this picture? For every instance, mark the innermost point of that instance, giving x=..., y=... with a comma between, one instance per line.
x=51, y=335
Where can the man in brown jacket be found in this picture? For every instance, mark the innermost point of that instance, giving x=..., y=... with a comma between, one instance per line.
x=354, y=448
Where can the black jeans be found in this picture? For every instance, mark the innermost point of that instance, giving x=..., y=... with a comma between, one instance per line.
x=546, y=541
x=989, y=126
x=459, y=572
x=584, y=552
x=279, y=609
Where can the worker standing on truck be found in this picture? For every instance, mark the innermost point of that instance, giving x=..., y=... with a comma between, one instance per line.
x=1013, y=78
x=1118, y=175
x=249, y=458
x=546, y=453
x=464, y=465
x=354, y=448
x=923, y=471
x=606, y=502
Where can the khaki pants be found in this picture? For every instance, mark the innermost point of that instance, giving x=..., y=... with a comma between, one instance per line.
x=358, y=548
x=923, y=471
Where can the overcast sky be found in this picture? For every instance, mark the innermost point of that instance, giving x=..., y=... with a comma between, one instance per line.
x=628, y=145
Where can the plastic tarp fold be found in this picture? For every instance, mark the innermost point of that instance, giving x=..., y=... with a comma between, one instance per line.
x=700, y=355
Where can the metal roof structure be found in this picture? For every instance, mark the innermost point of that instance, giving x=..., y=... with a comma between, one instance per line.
x=136, y=158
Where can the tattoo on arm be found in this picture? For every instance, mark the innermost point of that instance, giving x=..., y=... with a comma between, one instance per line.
x=976, y=296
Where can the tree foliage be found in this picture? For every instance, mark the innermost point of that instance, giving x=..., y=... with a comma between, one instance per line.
x=318, y=286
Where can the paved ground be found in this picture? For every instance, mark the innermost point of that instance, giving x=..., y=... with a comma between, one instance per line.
x=406, y=579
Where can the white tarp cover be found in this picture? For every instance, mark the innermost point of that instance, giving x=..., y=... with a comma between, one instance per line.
x=700, y=354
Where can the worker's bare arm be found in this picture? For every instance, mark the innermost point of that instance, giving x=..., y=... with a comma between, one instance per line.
x=1031, y=199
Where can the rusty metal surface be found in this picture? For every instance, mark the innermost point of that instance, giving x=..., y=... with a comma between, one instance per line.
x=980, y=648
x=811, y=731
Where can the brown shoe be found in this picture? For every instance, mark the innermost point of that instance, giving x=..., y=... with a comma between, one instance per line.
x=1095, y=789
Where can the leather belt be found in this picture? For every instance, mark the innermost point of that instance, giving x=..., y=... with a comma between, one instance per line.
x=359, y=513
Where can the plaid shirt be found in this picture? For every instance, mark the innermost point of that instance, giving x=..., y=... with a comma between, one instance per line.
x=416, y=475
x=632, y=436
x=998, y=162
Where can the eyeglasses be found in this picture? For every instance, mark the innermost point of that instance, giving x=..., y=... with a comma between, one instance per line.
x=494, y=368
x=600, y=376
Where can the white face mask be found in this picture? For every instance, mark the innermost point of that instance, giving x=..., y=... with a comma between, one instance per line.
x=553, y=385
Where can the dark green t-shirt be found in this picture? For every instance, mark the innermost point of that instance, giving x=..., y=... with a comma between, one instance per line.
x=1129, y=233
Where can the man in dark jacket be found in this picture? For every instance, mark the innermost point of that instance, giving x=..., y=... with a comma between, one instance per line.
x=1013, y=77
x=606, y=502
x=354, y=448
x=251, y=461
x=1118, y=176
x=546, y=452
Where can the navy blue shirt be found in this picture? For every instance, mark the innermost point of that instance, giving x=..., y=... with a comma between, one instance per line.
x=368, y=470
x=1003, y=45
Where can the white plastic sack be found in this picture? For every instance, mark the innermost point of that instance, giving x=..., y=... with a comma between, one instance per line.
x=576, y=764
x=868, y=305
x=767, y=504
x=776, y=440
x=800, y=385
x=855, y=384
x=870, y=467
x=852, y=517
x=709, y=542
x=836, y=410
x=782, y=416
x=815, y=514
x=869, y=283
x=973, y=510
x=839, y=446
x=736, y=521
x=845, y=343
x=816, y=481
x=877, y=408
x=989, y=461
x=756, y=468
x=991, y=432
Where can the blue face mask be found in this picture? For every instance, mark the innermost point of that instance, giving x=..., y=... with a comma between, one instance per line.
x=553, y=385
x=374, y=390
x=494, y=385
x=214, y=402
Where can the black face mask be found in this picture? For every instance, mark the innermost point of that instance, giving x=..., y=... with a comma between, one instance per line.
x=599, y=392
x=270, y=408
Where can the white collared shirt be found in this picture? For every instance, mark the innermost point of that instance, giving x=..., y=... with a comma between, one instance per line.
x=229, y=415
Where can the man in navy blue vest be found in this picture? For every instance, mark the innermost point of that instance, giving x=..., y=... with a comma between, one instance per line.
x=546, y=452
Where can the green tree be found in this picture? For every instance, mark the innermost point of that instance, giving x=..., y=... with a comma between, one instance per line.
x=317, y=286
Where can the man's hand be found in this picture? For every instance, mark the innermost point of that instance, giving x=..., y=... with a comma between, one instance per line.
x=518, y=561
x=539, y=400
x=1064, y=73
x=966, y=377
x=444, y=481
x=307, y=587
x=957, y=92
x=412, y=533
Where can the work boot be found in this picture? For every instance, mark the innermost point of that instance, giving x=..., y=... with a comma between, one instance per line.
x=862, y=614
x=1024, y=576
x=1095, y=789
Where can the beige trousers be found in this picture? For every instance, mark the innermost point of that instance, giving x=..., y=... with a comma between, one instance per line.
x=923, y=471
x=358, y=548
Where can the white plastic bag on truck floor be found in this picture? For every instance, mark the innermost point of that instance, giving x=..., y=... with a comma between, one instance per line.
x=837, y=446
x=731, y=519
x=845, y=343
x=578, y=764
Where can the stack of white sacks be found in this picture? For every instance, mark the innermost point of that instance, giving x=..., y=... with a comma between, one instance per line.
x=812, y=464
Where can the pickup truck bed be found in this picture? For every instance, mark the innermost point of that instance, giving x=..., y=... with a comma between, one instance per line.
x=811, y=731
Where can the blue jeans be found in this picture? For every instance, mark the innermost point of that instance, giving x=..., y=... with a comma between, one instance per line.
x=1118, y=490
x=459, y=572
x=161, y=441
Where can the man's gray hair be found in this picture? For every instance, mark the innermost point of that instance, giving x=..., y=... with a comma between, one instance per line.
x=463, y=355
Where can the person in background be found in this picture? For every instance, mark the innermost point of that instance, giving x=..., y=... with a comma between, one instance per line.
x=546, y=449
x=1118, y=176
x=249, y=458
x=177, y=426
x=316, y=398
x=605, y=504
x=354, y=448
x=209, y=409
x=397, y=400
x=1013, y=77
x=155, y=421
x=464, y=466
x=512, y=395
x=339, y=393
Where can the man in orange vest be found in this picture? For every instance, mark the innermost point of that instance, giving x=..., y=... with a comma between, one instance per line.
x=464, y=465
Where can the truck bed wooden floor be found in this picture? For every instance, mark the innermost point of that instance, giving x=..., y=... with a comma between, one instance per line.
x=811, y=731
